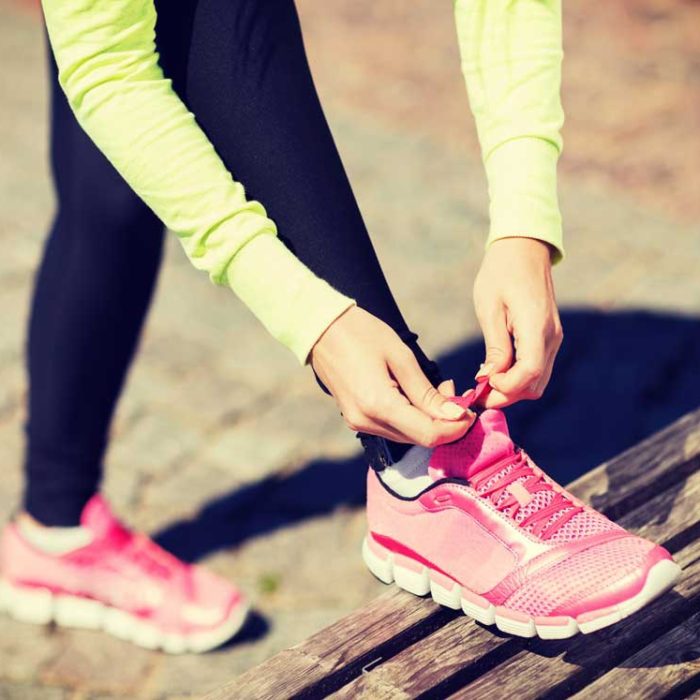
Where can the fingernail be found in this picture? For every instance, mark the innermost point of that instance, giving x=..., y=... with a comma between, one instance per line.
x=484, y=370
x=452, y=410
x=447, y=388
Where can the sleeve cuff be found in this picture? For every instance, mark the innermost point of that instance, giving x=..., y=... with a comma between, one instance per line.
x=522, y=178
x=293, y=304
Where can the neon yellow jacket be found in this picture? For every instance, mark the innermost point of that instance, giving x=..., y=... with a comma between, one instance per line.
x=108, y=68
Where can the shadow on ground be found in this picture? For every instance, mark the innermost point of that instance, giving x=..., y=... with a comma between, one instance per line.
x=619, y=377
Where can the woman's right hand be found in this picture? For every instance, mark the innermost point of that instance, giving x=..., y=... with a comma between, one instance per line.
x=379, y=386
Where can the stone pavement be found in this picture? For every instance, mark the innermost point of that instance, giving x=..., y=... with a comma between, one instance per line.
x=228, y=451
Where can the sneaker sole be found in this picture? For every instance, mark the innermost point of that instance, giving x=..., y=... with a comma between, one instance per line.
x=40, y=606
x=416, y=578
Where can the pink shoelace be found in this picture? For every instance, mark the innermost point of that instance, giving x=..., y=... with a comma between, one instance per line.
x=153, y=559
x=149, y=557
x=542, y=521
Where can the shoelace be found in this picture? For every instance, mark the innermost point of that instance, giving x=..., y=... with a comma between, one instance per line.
x=150, y=557
x=153, y=559
x=543, y=522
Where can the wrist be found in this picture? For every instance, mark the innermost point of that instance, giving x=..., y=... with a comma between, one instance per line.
x=525, y=246
x=333, y=334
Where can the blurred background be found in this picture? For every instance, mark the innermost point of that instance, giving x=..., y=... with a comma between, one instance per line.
x=228, y=451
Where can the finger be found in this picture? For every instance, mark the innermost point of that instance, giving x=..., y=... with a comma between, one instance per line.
x=359, y=421
x=447, y=388
x=539, y=387
x=497, y=400
x=419, y=391
x=394, y=412
x=549, y=368
x=498, y=343
x=426, y=431
x=416, y=430
x=554, y=344
x=523, y=378
x=392, y=416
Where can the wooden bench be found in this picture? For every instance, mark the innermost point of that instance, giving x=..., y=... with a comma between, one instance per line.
x=402, y=646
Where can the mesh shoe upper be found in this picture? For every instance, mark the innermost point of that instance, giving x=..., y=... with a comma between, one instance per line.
x=576, y=578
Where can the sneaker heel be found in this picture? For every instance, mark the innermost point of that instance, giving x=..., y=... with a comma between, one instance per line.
x=381, y=566
x=26, y=604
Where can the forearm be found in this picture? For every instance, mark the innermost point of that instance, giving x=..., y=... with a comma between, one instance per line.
x=108, y=67
x=511, y=60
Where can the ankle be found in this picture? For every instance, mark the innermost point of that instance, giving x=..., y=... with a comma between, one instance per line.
x=25, y=519
x=52, y=539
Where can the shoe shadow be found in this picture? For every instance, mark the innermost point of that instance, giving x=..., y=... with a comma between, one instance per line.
x=255, y=628
x=619, y=377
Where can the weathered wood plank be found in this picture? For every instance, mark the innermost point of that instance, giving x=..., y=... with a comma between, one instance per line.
x=554, y=670
x=668, y=516
x=619, y=485
x=448, y=652
x=655, y=670
x=463, y=650
x=395, y=620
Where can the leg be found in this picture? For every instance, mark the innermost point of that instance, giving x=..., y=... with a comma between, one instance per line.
x=91, y=296
x=249, y=85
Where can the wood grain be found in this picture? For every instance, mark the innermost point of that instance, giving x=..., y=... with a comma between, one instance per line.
x=655, y=464
x=321, y=663
x=655, y=670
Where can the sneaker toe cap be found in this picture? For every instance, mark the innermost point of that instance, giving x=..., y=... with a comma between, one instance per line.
x=599, y=577
x=212, y=599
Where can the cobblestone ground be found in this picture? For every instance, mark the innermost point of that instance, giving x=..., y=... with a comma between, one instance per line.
x=229, y=452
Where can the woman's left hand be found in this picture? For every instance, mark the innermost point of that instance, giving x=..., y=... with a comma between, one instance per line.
x=515, y=305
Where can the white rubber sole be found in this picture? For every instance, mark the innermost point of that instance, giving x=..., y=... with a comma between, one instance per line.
x=420, y=580
x=40, y=606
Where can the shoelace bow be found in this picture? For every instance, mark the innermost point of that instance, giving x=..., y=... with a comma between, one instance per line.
x=533, y=483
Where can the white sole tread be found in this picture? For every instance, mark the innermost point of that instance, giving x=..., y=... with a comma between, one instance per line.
x=41, y=606
x=661, y=577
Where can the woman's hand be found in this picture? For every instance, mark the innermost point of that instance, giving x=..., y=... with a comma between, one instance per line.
x=379, y=385
x=515, y=305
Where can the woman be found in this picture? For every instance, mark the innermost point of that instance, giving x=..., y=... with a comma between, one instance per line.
x=240, y=67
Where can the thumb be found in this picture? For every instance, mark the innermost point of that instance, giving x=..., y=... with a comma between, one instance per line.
x=499, y=346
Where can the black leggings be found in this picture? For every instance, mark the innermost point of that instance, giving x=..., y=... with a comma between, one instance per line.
x=241, y=68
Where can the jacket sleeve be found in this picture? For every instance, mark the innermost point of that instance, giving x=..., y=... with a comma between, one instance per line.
x=511, y=53
x=108, y=68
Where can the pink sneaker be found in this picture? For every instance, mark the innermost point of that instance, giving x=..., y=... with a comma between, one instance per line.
x=120, y=582
x=490, y=533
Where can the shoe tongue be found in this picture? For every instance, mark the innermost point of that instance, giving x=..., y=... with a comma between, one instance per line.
x=487, y=442
x=98, y=518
